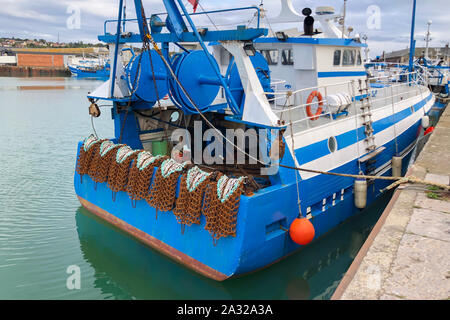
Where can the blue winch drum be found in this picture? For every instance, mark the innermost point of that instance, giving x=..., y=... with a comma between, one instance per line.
x=198, y=77
x=174, y=88
x=155, y=24
x=145, y=84
x=234, y=80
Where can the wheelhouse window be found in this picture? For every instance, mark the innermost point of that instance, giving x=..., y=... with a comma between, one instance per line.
x=271, y=56
x=287, y=57
x=358, y=59
x=348, y=58
x=337, y=58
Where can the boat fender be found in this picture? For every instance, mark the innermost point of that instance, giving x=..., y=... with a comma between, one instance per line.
x=360, y=191
x=301, y=231
x=425, y=121
x=312, y=95
x=396, y=166
x=429, y=130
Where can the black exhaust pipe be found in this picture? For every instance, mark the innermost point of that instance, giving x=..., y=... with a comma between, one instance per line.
x=308, y=22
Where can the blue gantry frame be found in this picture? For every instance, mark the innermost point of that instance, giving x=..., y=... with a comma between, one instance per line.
x=179, y=32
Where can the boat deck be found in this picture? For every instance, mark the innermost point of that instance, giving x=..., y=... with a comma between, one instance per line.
x=381, y=96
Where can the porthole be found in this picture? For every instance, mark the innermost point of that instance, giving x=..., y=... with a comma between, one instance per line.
x=332, y=144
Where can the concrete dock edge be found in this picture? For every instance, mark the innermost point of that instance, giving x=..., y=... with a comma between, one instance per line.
x=407, y=254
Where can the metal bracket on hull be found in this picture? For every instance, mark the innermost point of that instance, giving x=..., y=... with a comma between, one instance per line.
x=371, y=155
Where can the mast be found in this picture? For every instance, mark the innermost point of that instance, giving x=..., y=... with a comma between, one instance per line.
x=116, y=50
x=427, y=38
x=412, y=46
x=124, y=15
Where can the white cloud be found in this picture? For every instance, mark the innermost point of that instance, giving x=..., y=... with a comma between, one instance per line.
x=48, y=18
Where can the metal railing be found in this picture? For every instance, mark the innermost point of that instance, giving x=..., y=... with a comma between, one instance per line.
x=426, y=73
x=257, y=9
x=291, y=106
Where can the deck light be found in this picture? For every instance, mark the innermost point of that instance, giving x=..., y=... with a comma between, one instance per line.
x=249, y=49
x=281, y=36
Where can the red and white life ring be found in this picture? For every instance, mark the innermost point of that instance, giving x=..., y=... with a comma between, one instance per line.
x=311, y=115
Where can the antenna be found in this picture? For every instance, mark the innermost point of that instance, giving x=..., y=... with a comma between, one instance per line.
x=343, y=18
x=366, y=49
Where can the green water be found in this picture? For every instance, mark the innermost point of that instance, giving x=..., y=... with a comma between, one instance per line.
x=43, y=229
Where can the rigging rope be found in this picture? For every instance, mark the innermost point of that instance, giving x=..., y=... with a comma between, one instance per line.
x=398, y=180
x=201, y=7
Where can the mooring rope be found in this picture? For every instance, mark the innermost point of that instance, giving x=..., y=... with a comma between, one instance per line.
x=398, y=180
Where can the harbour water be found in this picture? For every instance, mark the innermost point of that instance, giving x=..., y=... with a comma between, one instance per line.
x=44, y=230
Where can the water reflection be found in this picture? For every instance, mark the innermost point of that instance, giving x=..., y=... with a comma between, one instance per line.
x=126, y=269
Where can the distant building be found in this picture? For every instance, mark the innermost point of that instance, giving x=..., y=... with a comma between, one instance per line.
x=54, y=57
x=402, y=56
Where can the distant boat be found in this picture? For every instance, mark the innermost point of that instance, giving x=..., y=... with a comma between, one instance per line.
x=90, y=71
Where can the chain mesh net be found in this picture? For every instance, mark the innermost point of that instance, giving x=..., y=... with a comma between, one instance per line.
x=188, y=206
x=90, y=147
x=124, y=169
x=120, y=168
x=141, y=174
x=221, y=206
x=102, y=160
x=163, y=190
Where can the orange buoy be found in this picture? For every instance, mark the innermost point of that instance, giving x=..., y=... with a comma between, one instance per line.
x=429, y=130
x=301, y=231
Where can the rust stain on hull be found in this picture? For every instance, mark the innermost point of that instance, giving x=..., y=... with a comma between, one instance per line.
x=154, y=243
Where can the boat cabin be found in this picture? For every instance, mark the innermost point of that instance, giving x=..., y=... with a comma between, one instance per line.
x=299, y=59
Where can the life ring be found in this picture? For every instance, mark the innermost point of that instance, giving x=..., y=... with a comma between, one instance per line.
x=314, y=116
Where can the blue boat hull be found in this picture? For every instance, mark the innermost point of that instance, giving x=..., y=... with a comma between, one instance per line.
x=261, y=239
x=102, y=73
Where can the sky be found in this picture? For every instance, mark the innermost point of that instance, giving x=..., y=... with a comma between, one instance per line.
x=83, y=20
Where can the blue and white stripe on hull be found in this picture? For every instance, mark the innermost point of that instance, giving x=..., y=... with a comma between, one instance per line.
x=312, y=150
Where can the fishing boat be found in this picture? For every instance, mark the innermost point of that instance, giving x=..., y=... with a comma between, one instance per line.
x=234, y=156
x=90, y=69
